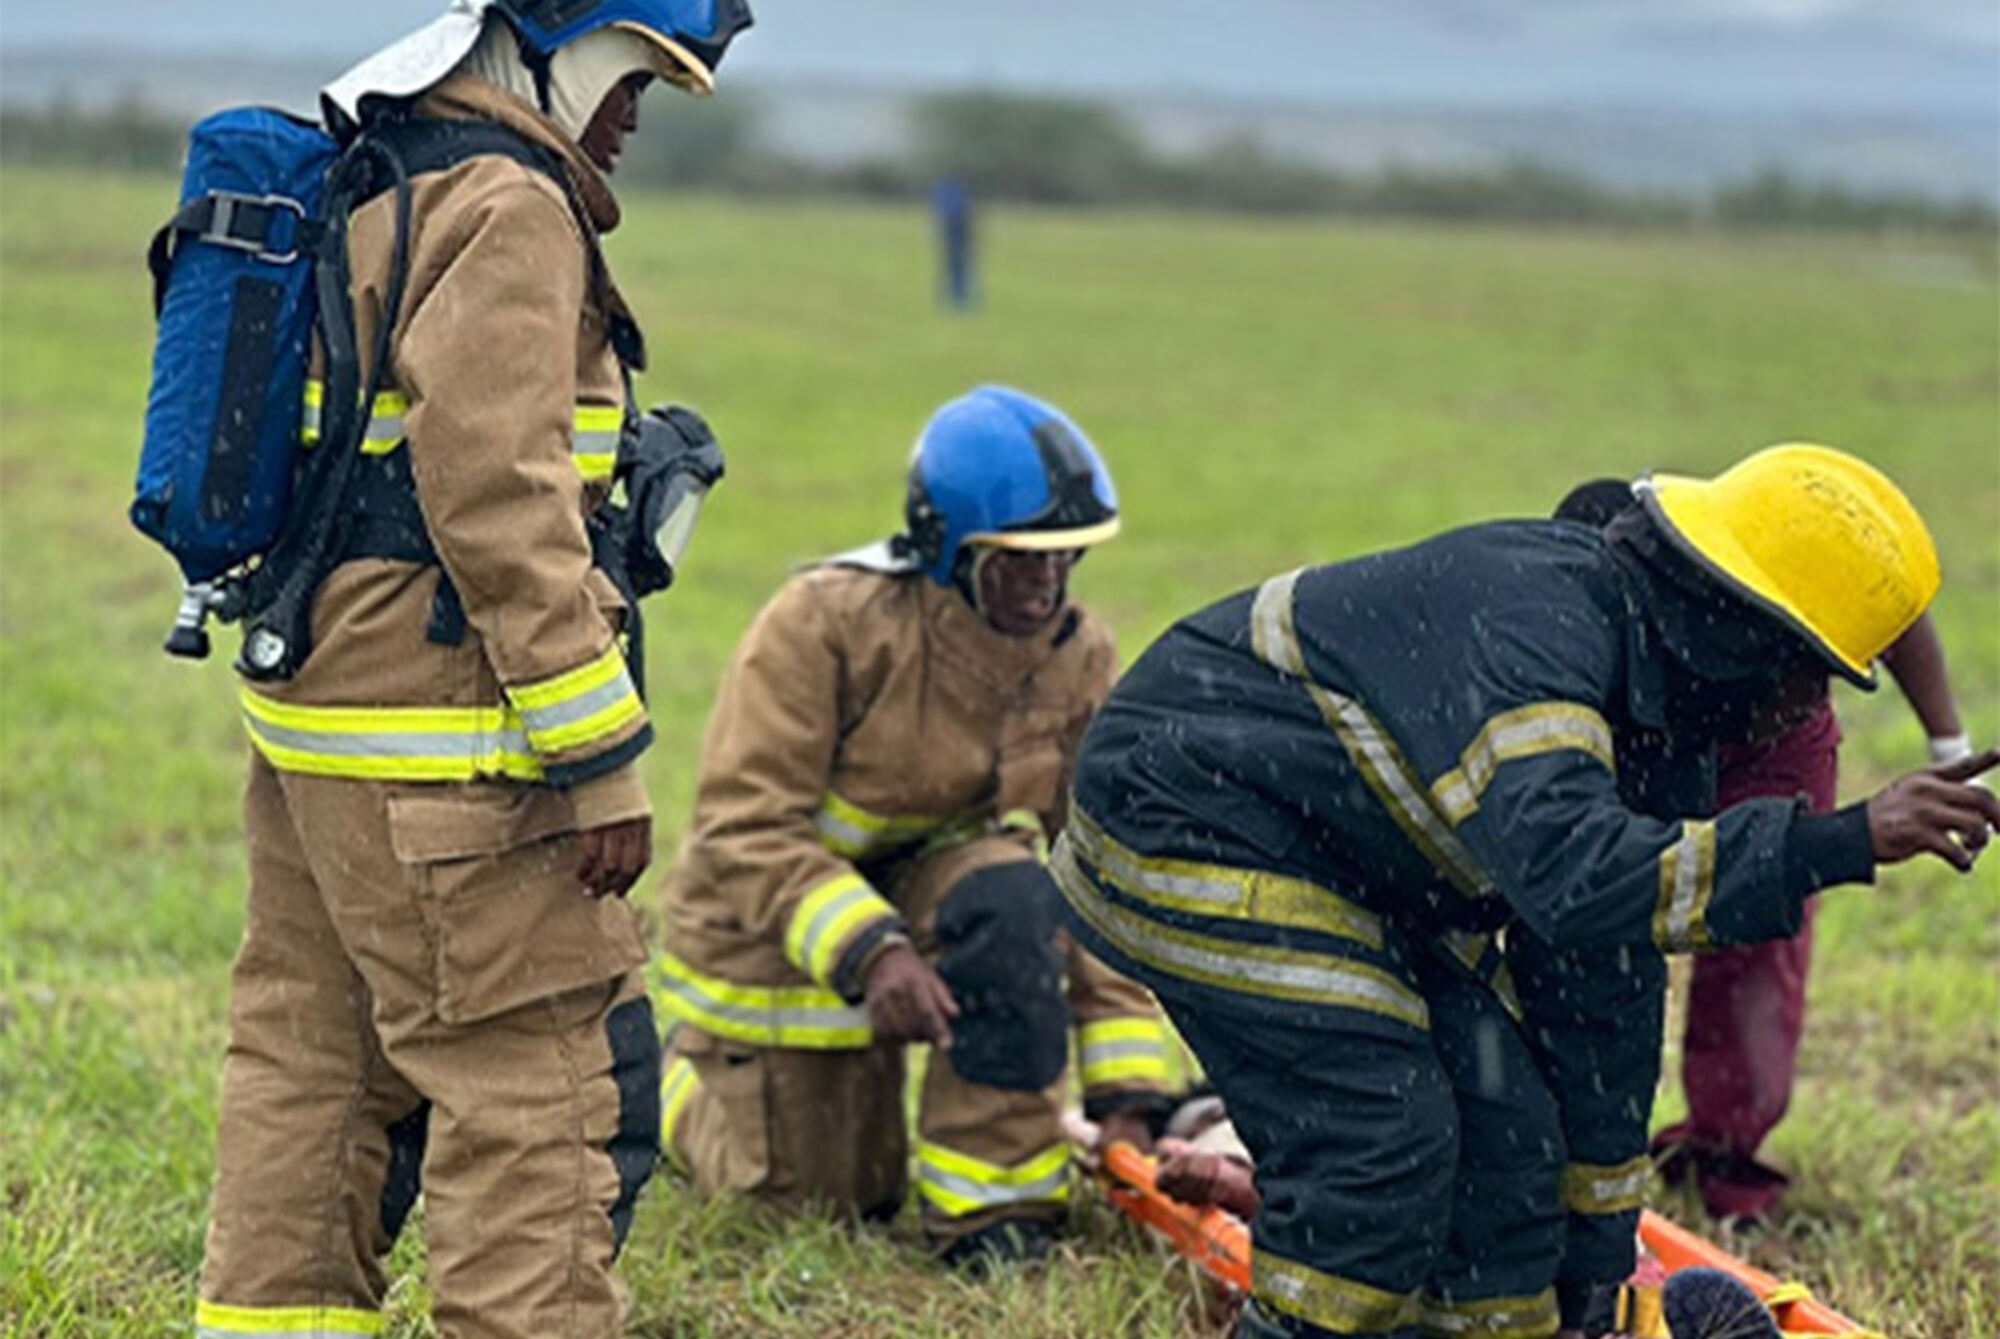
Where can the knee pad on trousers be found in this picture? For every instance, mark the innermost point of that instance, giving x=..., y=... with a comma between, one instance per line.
x=404, y=1179
x=635, y=1065
x=996, y=931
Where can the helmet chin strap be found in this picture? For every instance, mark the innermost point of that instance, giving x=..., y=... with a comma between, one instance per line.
x=971, y=583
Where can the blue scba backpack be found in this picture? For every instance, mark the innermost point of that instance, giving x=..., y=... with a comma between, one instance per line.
x=250, y=269
x=233, y=286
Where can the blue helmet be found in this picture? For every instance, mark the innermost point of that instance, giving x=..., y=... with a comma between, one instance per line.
x=694, y=32
x=999, y=467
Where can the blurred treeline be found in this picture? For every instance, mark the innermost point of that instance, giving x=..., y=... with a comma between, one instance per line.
x=1057, y=151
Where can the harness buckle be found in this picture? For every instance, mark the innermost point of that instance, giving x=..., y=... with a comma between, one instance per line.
x=220, y=229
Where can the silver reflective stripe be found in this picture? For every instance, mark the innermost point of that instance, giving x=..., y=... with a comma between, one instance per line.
x=386, y=428
x=541, y=720
x=1103, y=1052
x=827, y=915
x=595, y=443
x=842, y=836
x=768, y=1018
x=1226, y=964
x=1524, y=732
x=1122, y=868
x=987, y=1195
x=1272, y=633
x=1385, y=761
x=390, y=744
x=1687, y=881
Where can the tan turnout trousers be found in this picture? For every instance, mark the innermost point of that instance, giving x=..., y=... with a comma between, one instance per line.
x=826, y=1128
x=422, y=980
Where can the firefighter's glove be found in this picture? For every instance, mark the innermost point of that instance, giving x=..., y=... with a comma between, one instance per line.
x=997, y=951
x=907, y=1001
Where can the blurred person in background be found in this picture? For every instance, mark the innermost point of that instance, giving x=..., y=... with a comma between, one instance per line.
x=951, y=202
x=1307, y=814
x=888, y=754
x=1746, y=1002
x=439, y=980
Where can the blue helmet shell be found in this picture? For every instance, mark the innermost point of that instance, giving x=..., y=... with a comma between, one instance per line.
x=999, y=466
x=703, y=28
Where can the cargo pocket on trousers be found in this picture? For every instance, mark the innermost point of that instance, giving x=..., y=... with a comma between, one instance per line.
x=496, y=870
x=730, y=1145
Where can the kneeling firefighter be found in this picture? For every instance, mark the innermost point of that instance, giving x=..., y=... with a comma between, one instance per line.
x=439, y=974
x=888, y=753
x=1399, y=843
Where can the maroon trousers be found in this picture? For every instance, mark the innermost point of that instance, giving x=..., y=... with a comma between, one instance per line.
x=1746, y=1006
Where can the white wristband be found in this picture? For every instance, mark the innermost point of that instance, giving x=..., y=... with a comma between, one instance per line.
x=1950, y=748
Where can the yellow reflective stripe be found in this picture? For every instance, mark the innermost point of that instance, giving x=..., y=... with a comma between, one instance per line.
x=1524, y=732
x=580, y=706
x=960, y=1185
x=1534, y=1317
x=311, y=412
x=1274, y=637
x=213, y=1320
x=803, y=1017
x=594, y=439
x=1343, y=1306
x=827, y=919
x=1285, y=974
x=1123, y=1050
x=1687, y=882
x=1220, y=890
x=846, y=829
x=675, y=1089
x=1589, y=1188
x=390, y=743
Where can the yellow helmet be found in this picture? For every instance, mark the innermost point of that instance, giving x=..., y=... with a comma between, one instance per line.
x=1812, y=535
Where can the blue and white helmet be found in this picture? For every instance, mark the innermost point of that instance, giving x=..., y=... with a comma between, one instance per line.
x=695, y=33
x=692, y=34
x=999, y=467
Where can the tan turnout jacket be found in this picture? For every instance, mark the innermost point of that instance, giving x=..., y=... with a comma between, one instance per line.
x=508, y=397
x=868, y=722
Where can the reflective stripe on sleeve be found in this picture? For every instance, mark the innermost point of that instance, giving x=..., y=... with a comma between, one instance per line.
x=846, y=829
x=1219, y=890
x=959, y=1184
x=803, y=1017
x=1286, y=974
x=1687, y=882
x=580, y=707
x=1123, y=1051
x=390, y=743
x=827, y=920
x=1591, y=1189
x=1274, y=637
x=213, y=1320
x=1524, y=732
x=1343, y=1306
x=1535, y=1317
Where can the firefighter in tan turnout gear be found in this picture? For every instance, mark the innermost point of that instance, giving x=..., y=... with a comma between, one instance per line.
x=438, y=982
x=888, y=754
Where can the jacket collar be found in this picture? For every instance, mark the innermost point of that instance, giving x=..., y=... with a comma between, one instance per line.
x=474, y=99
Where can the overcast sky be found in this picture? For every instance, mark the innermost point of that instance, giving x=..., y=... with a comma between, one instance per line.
x=1873, y=56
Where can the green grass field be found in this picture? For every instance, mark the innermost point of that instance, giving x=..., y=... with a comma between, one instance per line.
x=1268, y=393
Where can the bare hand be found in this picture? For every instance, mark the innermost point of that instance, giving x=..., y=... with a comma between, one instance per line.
x=1938, y=811
x=610, y=859
x=908, y=1001
x=1125, y=1127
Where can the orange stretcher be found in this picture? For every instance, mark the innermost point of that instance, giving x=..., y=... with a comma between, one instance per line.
x=1219, y=1243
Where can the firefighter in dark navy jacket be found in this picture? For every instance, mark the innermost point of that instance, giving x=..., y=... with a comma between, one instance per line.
x=1400, y=844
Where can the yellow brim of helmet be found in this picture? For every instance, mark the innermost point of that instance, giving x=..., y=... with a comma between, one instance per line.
x=681, y=68
x=1080, y=537
x=1686, y=510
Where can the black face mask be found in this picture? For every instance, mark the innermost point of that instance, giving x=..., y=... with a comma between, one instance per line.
x=1728, y=660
